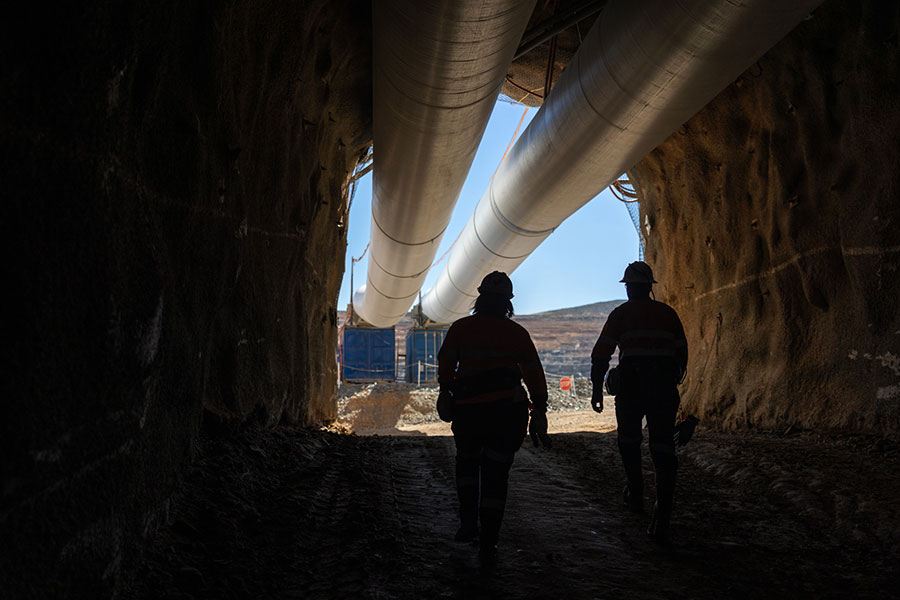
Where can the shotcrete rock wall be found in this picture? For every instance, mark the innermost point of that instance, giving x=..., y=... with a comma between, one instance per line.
x=772, y=219
x=174, y=207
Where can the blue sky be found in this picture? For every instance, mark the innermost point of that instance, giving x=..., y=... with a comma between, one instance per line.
x=580, y=263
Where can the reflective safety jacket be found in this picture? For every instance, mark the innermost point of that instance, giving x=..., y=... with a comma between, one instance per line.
x=641, y=328
x=480, y=345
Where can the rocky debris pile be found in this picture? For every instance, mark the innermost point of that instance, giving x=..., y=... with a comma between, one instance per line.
x=399, y=404
x=578, y=397
x=389, y=403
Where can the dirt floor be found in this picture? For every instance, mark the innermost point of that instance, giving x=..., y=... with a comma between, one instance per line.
x=300, y=513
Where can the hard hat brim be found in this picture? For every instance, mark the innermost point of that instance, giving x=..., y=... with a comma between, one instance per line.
x=507, y=295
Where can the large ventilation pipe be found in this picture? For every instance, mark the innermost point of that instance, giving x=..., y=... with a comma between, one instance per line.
x=643, y=69
x=438, y=69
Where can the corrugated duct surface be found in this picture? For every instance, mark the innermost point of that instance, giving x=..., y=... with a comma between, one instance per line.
x=438, y=69
x=643, y=70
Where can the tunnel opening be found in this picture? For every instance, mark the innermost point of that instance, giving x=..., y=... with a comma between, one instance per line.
x=175, y=184
x=585, y=254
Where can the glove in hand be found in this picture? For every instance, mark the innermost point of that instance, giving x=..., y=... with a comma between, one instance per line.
x=597, y=401
x=537, y=427
x=684, y=430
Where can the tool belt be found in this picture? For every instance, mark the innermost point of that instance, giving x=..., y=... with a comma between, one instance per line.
x=648, y=371
x=494, y=380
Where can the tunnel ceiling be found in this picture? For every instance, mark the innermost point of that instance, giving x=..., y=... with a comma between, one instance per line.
x=553, y=35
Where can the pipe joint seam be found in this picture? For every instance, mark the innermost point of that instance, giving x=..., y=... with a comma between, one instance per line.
x=486, y=247
x=394, y=275
x=509, y=224
x=395, y=240
x=383, y=295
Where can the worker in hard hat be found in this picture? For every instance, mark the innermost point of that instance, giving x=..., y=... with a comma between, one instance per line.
x=653, y=358
x=481, y=364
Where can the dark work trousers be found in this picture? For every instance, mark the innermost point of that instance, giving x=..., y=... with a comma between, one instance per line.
x=648, y=390
x=487, y=437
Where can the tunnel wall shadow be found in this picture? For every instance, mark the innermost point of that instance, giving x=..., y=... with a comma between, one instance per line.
x=174, y=195
x=771, y=220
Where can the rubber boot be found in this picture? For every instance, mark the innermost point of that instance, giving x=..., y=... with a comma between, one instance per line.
x=633, y=502
x=467, y=532
x=633, y=495
x=488, y=554
x=468, y=519
x=490, y=532
x=494, y=487
x=665, y=465
x=467, y=489
x=659, y=524
x=491, y=518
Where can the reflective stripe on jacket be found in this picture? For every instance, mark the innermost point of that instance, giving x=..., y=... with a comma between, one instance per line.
x=640, y=328
x=477, y=344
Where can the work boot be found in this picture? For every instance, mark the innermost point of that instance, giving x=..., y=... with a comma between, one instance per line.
x=487, y=554
x=659, y=525
x=634, y=502
x=466, y=533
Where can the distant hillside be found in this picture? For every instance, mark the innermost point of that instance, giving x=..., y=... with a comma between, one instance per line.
x=597, y=308
x=563, y=337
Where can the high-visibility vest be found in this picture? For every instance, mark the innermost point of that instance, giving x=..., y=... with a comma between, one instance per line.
x=642, y=328
x=481, y=344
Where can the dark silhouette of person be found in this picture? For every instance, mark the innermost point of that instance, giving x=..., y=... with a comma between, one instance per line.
x=653, y=358
x=481, y=364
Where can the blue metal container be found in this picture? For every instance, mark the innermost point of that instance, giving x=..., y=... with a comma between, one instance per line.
x=368, y=354
x=422, y=347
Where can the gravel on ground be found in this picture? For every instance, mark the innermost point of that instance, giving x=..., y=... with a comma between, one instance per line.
x=323, y=513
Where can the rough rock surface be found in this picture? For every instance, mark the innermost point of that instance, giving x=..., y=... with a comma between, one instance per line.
x=174, y=203
x=771, y=219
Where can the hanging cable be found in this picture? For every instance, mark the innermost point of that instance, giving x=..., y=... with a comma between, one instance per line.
x=511, y=142
x=623, y=189
x=514, y=136
x=524, y=89
x=361, y=256
x=362, y=168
